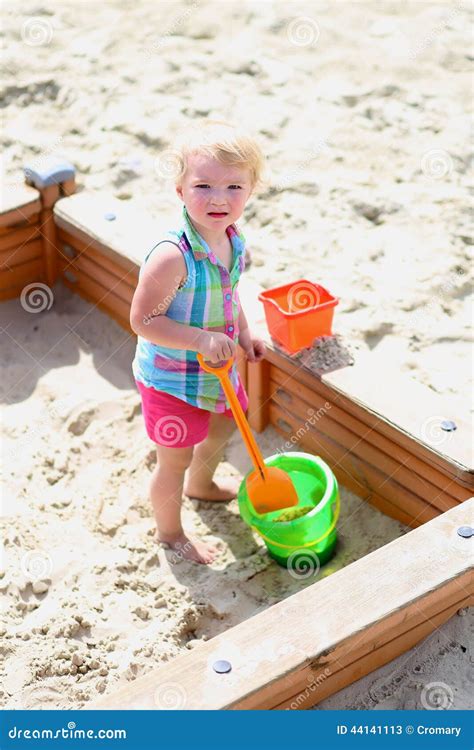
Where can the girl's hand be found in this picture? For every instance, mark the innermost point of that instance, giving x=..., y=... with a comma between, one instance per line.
x=253, y=347
x=216, y=347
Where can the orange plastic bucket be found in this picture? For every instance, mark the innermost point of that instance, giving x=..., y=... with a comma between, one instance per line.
x=297, y=313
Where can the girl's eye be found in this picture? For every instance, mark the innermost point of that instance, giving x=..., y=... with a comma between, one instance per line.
x=233, y=187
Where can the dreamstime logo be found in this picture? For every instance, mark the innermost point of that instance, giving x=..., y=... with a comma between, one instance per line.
x=302, y=564
x=435, y=31
x=61, y=407
x=437, y=696
x=290, y=607
x=303, y=31
x=313, y=683
x=181, y=550
x=169, y=165
x=162, y=306
x=303, y=429
x=432, y=432
x=36, y=32
x=170, y=697
x=155, y=47
x=36, y=565
x=36, y=297
x=300, y=296
x=170, y=430
x=436, y=164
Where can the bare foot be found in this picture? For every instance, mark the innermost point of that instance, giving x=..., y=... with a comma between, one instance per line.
x=223, y=490
x=189, y=548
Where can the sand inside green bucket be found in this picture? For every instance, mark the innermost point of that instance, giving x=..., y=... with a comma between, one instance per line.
x=291, y=514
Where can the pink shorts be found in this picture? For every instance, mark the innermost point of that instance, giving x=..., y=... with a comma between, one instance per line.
x=174, y=423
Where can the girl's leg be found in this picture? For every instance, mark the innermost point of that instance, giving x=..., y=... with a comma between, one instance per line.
x=206, y=457
x=166, y=491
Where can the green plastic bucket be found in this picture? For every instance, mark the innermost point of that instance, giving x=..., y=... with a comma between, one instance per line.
x=312, y=534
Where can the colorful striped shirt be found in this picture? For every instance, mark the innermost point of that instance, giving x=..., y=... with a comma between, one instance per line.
x=207, y=299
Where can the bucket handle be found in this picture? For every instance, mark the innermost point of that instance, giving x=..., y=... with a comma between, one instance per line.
x=307, y=544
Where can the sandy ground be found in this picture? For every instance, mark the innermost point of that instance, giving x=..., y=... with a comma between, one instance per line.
x=89, y=600
x=362, y=109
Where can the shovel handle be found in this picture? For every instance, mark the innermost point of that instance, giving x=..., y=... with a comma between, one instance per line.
x=222, y=372
x=217, y=370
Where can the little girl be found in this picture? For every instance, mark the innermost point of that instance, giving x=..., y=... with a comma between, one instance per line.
x=186, y=302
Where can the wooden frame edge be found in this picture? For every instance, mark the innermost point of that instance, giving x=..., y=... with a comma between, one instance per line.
x=390, y=604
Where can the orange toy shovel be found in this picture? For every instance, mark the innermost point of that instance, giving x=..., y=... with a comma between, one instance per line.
x=268, y=487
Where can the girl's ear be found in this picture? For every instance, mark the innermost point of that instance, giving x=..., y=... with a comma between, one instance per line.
x=179, y=191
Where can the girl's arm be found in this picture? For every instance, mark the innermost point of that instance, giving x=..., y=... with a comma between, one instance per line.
x=243, y=325
x=156, y=289
x=253, y=347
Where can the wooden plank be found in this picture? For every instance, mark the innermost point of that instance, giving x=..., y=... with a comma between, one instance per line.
x=11, y=293
x=11, y=259
x=97, y=295
x=49, y=195
x=241, y=360
x=126, y=239
x=347, y=659
x=30, y=221
x=346, y=477
x=88, y=297
x=368, y=477
x=385, y=589
x=258, y=375
x=68, y=243
x=84, y=264
x=386, y=653
x=19, y=276
x=366, y=414
x=323, y=425
x=424, y=471
x=48, y=233
x=369, y=496
x=454, y=596
x=17, y=203
x=17, y=237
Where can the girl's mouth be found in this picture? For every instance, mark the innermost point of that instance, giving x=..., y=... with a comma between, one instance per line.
x=217, y=214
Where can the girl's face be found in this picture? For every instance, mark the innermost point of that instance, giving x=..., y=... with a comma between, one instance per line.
x=214, y=194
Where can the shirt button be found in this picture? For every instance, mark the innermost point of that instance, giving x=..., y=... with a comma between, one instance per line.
x=228, y=296
x=231, y=328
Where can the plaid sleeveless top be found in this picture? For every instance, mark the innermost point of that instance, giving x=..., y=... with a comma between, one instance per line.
x=207, y=299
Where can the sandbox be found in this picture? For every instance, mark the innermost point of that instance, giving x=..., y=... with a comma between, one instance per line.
x=397, y=593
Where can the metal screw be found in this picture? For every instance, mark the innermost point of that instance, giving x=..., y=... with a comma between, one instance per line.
x=110, y=216
x=222, y=666
x=448, y=425
x=466, y=531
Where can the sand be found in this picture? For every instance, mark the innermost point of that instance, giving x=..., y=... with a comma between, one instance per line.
x=90, y=601
x=366, y=129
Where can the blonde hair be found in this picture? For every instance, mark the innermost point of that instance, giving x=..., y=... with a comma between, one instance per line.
x=222, y=141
